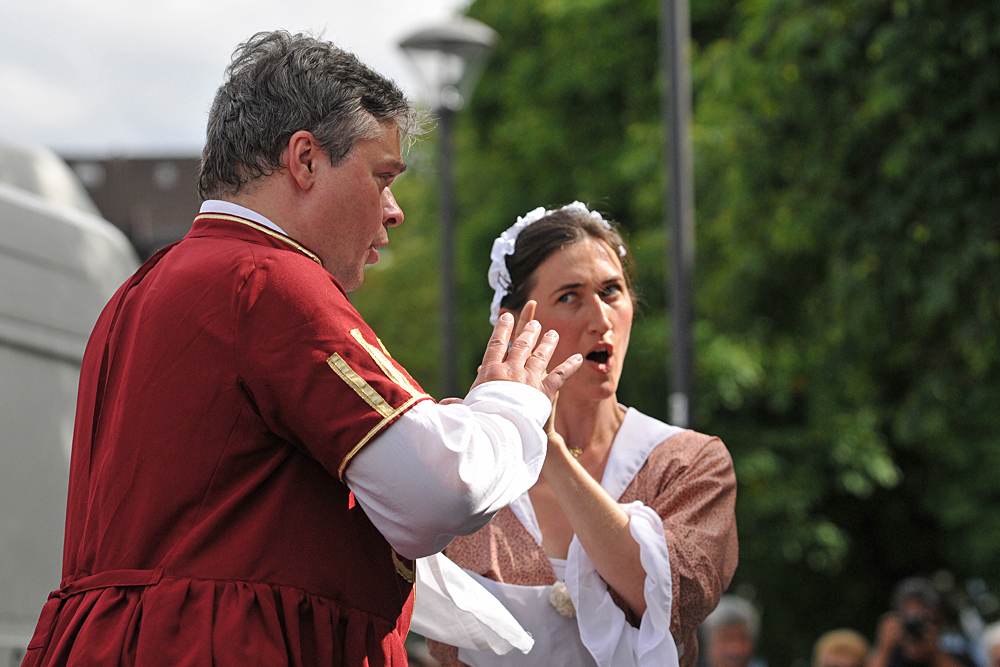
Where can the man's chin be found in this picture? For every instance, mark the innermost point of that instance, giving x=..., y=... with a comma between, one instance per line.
x=349, y=282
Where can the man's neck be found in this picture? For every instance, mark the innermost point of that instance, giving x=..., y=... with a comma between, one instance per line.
x=266, y=197
x=224, y=207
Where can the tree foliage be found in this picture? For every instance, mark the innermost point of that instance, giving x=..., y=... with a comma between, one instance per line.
x=849, y=185
x=848, y=264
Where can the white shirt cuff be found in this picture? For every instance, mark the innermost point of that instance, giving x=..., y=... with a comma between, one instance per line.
x=603, y=627
x=440, y=471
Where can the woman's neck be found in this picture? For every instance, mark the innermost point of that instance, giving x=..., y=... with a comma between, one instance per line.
x=587, y=425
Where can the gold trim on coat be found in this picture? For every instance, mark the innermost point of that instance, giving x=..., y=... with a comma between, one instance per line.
x=385, y=364
x=406, y=573
x=372, y=433
x=263, y=229
x=359, y=385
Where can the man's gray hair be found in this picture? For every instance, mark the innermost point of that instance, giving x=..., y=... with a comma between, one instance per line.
x=278, y=84
x=733, y=610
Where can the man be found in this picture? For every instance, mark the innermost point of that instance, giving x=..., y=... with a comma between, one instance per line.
x=730, y=633
x=842, y=647
x=908, y=636
x=252, y=472
x=990, y=644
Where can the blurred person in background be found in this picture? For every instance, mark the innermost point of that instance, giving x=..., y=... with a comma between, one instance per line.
x=908, y=636
x=840, y=648
x=730, y=633
x=990, y=643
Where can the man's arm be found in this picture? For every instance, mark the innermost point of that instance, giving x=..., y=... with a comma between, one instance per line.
x=444, y=470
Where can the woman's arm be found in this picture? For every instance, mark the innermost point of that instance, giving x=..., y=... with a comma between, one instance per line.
x=694, y=491
x=600, y=524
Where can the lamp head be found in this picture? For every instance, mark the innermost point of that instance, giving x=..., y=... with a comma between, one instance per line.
x=450, y=57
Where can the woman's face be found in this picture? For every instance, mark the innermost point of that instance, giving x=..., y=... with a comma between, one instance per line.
x=582, y=294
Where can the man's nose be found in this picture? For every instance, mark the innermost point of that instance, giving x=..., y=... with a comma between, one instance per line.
x=392, y=214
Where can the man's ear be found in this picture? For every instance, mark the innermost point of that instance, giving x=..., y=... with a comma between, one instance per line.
x=301, y=156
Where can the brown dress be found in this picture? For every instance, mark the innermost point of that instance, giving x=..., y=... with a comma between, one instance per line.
x=688, y=480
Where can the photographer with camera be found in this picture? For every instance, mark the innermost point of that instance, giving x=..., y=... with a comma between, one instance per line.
x=908, y=635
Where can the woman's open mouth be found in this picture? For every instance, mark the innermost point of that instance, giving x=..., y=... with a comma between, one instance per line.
x=600, y=356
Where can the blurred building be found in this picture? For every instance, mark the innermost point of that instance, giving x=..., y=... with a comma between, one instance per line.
x=59, y=265
x=152, y=199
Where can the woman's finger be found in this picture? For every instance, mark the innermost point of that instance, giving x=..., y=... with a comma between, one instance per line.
x=527, y=314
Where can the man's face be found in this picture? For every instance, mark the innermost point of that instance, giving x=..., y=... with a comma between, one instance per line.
x=920, y=642
x=839, y=658
x=729, y=646
x=353, y=207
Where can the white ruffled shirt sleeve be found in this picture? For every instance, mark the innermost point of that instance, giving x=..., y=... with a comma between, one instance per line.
x=602, y=624
x=598, y=635
x=440, y=471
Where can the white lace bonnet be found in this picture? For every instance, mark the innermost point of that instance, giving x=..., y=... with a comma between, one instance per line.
x=498, y=275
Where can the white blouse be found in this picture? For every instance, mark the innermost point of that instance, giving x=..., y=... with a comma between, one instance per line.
x=599, y=633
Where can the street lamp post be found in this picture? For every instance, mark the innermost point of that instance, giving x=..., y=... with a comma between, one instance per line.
x=675, y=31
x=449, y=58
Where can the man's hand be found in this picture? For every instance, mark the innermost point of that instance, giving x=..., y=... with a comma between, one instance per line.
x=890, y=632
x=528, y=358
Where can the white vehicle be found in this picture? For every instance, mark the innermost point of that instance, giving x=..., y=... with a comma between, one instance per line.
x=60, y=262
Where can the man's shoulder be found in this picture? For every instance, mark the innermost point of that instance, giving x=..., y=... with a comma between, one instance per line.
x=292, y=274
x=285, y=287
x=220, y=255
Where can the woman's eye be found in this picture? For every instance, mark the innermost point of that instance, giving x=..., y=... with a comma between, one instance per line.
x=612, y=290
x=566, y=298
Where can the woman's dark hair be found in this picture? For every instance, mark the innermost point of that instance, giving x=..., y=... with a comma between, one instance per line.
x=558, y=229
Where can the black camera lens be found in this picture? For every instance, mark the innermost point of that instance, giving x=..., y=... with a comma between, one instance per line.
x=915, y=625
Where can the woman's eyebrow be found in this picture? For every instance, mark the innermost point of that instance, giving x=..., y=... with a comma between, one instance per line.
x=610, y=281
x=567, y=286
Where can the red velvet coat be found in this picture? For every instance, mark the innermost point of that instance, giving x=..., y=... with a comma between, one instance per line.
x=224, y=390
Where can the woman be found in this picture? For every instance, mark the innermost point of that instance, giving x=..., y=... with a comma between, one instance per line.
x=635, y=516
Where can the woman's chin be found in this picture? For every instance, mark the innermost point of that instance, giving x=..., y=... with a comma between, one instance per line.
x=589, y=389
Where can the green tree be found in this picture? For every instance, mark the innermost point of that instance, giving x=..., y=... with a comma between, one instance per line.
x=848, y=289
x=848, y=192
x=399, y=296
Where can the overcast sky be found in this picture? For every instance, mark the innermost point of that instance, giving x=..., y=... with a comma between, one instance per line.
x=110, y=77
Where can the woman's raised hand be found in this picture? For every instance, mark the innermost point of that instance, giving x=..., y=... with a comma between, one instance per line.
x=528, y=357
